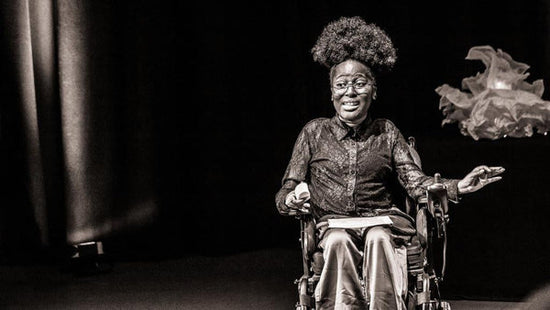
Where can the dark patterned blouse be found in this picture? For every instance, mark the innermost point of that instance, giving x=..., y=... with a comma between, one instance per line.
x=354, y=172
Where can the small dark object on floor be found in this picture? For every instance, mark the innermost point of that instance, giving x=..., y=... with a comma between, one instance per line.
x=88, y=258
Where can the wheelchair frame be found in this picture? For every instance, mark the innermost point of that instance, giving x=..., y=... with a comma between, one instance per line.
x=424, y=276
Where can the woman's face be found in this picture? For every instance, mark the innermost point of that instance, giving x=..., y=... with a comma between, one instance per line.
x=353, y=89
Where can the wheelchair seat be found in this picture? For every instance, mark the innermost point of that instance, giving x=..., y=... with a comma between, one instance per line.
x=425, y=251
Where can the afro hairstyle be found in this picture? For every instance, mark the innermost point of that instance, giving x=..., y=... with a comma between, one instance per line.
x=352, y=38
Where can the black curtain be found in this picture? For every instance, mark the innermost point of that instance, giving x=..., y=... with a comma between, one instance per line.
x=78, y=122
x=188, y=112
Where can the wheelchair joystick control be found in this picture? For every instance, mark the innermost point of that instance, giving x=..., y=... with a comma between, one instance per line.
x=437, y=178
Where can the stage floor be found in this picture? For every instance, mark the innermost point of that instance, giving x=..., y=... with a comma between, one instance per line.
x=240, y=281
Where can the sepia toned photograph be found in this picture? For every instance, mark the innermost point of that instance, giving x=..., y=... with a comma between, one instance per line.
x=307, y=155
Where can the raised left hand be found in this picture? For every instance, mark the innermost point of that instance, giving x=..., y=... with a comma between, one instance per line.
x=478, y=178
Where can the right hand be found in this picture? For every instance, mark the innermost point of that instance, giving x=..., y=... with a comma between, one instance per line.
x=297, y=204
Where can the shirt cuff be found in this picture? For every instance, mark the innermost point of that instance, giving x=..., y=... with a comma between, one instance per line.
x=452, y=191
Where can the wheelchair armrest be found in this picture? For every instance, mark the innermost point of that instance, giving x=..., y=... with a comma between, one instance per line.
x=308, y=239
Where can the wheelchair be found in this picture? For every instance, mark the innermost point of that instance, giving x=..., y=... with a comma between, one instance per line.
x=426, y=252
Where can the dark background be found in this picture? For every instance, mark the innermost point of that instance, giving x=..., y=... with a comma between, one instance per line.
x=230, y=86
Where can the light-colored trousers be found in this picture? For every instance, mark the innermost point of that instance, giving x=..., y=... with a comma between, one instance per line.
x=384, y=268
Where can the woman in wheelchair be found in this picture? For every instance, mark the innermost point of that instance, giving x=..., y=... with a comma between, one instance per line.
x=349, y=163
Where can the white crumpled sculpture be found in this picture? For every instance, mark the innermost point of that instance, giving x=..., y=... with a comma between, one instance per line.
x=501, y=102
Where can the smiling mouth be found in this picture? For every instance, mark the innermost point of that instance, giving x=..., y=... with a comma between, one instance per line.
x=350, y=105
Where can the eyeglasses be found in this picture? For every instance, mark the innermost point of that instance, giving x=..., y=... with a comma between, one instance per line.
x=360, y=86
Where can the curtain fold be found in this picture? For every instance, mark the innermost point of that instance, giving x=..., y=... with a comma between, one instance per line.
x=86, y=120
x=79, y=123
x=26, y=75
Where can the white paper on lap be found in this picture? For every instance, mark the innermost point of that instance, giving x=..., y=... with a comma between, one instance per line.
x=359, y=222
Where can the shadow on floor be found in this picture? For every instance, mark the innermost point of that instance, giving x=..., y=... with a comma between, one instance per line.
x=254, y=280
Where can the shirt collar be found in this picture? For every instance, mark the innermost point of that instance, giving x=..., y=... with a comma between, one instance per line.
x=342, y=130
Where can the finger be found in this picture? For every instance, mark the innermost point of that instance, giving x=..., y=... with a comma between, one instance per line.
x=497, y=170
x=485, y=170
x=290, y=196
x=484, y=182
x=295, y=207
x=482, y=168
x=290, y=204
x=298, y=201
x=295, y=203
x=305, y=208
x=290, y=200
x=481, y=174
x=491, y=180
